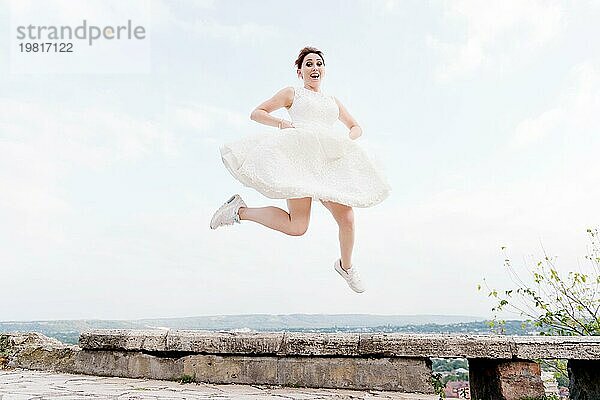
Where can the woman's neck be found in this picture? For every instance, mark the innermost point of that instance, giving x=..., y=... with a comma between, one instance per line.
x=315, y=88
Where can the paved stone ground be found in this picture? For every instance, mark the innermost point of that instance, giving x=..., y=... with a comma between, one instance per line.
x=19, y=384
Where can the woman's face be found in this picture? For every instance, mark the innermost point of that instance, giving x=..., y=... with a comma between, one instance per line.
x=313, y=69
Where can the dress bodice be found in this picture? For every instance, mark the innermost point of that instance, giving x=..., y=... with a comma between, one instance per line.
x=311, y=108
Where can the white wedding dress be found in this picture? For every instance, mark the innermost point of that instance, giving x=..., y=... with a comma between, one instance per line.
x=309, y=160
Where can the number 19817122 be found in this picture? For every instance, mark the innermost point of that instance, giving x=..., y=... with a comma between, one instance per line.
x=46, y=47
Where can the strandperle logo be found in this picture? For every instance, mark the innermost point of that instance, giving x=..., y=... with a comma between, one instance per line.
x=84, y=31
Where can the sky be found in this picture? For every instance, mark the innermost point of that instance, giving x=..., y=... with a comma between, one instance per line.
x=482, y=115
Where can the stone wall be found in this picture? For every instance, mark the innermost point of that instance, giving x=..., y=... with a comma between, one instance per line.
x=500, y=367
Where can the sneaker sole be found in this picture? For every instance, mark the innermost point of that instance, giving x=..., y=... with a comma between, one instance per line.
x=220, y=210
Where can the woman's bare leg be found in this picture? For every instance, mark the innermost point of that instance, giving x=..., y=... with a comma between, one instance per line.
x=294, y=223
x=344, y=216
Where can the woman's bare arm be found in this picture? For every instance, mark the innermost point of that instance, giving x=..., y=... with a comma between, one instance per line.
x=349, y=121
x=281, y=99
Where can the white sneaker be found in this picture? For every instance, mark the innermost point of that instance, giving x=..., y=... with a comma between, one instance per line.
x=351, y=276
x=227, y=214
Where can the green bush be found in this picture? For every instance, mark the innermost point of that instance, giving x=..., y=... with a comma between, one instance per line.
x=555, y=303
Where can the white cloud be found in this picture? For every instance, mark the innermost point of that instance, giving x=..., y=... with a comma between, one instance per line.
x=573, y=115
x=212, y=122
x=247, y=32
x=42, y=144
x=498, y=34
x=30, y=201
x=164, y=12
x=464, y=229
x=165, y=15
x=111, y=12
x=87, y=136
x=532, y=130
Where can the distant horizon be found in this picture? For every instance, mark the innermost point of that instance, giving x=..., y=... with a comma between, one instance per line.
x=69, y=331
x=471, y=318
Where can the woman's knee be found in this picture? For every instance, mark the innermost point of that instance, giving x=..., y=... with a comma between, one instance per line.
x=299, y=216
x=345, y=218
x=298, y=229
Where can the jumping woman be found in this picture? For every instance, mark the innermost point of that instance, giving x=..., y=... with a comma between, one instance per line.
x=307, y=160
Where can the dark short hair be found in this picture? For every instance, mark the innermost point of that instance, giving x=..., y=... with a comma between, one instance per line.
x=306, y=51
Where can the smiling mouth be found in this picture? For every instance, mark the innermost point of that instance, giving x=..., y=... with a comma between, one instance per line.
x=315, y=76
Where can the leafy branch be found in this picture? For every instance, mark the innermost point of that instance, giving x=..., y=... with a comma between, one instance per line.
x=557, y=304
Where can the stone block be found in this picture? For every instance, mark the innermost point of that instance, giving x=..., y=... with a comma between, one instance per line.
x=127, y=364
x=398, y=374
x=224, y=342
x=231, y=369
x=320, y=344
x=557, y=347
x=124, y=339
x=504, y=379
x=451, y=346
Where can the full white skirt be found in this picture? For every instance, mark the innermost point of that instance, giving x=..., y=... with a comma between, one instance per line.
x=306, y=162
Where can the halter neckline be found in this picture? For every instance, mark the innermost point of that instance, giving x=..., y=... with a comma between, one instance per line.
x=313, y=92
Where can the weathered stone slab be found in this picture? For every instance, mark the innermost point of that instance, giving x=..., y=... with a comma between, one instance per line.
x=124, y=339
x=505, y=379
x=208, y=342
x=344, y=344
x=452, y=346
x=551, y=347
x=406, y=375
x=224, y=342
x=584, y=379
x=320, y=344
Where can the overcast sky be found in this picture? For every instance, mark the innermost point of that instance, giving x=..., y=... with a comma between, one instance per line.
x=483, y=115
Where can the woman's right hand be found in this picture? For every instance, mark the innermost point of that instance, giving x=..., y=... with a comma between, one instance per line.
x=262, y=113
x=286, y=124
